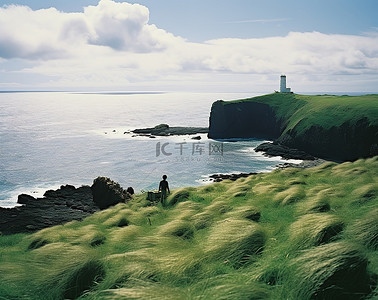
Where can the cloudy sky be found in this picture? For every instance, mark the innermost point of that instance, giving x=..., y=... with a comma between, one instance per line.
x=199, y=45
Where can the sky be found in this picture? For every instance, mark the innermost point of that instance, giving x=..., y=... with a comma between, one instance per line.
x=200, y=46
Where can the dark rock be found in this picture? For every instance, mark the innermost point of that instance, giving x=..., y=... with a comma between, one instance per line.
x=276, y=149
x=107, y=192
x=304, y=164
x=50, y=194
x=233, y=177
x=56, y=207
x=24, y=199
x=130, y=190
x=196, y=137
x=165, y=130
x=162, y=126
x=67, y=187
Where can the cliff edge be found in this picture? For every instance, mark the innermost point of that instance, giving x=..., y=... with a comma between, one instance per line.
x=326, y=126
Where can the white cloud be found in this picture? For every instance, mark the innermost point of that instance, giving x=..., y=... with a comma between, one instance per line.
x=297, y=52
x=124, y=26
x=112, y=44
x=50, y=34
x=29, y=34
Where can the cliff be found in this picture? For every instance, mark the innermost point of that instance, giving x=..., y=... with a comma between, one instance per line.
x=243, y=120
x=331, y=127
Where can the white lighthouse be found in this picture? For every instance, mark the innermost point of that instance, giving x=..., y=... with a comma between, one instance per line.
x=283, y=88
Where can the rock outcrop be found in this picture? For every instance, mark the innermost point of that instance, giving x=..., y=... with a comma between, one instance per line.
x=61, y=206
x=276, y=149
x=232, y=177
x=56, y=207
x=166, y=130
x=107, y=192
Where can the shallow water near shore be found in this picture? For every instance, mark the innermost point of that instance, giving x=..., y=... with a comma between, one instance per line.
x=54, y=138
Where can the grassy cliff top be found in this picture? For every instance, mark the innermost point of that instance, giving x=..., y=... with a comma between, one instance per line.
x=324, y=110
x=289, y=234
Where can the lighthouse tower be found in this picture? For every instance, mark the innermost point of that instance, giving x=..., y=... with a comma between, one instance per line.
x=283, y=88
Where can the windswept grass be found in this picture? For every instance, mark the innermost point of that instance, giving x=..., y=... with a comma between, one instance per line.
x=304, y=111
x=314, y=230
x=288, y=234
x=365, y=230
x=333, y=271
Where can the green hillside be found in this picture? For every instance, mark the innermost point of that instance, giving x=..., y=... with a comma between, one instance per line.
x=289, y=234
x=303, y=111
x=331, y=127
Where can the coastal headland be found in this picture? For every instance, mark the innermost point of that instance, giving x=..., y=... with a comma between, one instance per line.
x=330, y=127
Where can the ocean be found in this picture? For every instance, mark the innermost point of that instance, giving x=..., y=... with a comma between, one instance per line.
x=49, y=139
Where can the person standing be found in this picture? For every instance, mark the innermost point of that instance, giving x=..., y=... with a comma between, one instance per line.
x=164, y=188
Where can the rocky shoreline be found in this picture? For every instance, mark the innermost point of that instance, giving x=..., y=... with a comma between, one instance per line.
x=56, y=207
x=276, y=149
x=232, y=177
x=302, y=165
x=269, y=149
x=69, y=203
x=60, y=206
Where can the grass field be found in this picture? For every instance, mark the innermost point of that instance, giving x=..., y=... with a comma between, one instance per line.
x=289, y=234
x=304, y=111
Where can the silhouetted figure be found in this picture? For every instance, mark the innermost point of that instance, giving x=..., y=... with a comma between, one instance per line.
x=164, y=188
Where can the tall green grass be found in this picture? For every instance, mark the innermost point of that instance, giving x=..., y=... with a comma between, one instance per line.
x=288, y=234
x=304, y=111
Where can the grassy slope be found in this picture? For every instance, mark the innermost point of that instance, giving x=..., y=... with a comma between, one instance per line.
x=323, y=110
x=318, y=227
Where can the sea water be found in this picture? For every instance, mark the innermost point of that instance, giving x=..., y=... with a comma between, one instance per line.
x=48, y=139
